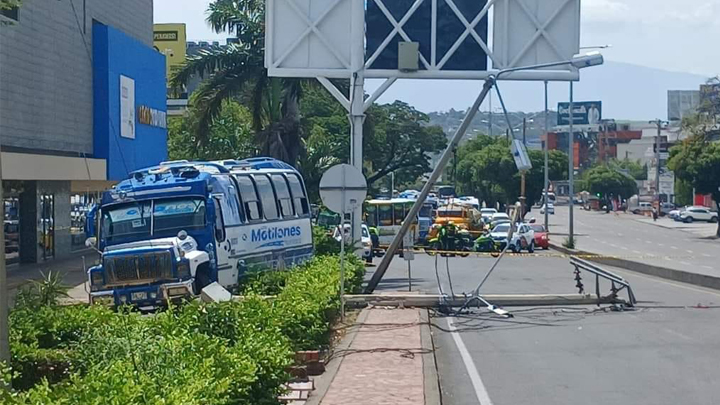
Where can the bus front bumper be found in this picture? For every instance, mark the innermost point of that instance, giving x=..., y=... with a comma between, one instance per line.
x=145, y=296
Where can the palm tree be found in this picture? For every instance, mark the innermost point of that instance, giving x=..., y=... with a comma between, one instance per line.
x=237, y=71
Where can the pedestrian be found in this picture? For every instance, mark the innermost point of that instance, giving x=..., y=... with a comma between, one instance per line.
x=654, y=214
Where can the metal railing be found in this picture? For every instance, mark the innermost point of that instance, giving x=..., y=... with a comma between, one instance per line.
x=617, y=283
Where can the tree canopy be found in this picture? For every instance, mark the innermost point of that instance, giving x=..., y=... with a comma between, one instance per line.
x=608, y=181
x=634, y=168
x=486, y=169
x=396, y=138
x=230, y=135
x=696, y=161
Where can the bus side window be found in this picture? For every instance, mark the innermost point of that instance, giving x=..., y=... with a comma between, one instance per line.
x=371, y=215
x=219, y=222
x=283, y=195
x=251, y=202
x=267, y=196
x=399, y=214
x=298, y=195
x=385, y=215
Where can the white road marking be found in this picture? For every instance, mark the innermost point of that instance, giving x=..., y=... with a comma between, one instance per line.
x=637, y=252
x=674, y=247
x=685, y=263
x=707, y=267
x=648, y=242
x=480, y=390
x=706, y=255
x=624, y=248
x=661, y=244
x=613, y=245
x=690, y=251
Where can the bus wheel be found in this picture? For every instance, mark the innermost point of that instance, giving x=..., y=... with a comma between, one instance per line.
x=202, y=278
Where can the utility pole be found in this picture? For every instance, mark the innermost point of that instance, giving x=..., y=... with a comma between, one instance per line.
x=571, y=168
x=524, y=129
x=490, y=124
x=545, y=147
x=657, y=161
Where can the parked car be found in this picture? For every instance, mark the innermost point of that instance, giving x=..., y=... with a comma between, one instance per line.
x=642, y=208
x=487, y=213
x=675, y=214
x=499, y=218
x=523, y=237
x=666, y=208
x=542, y=237
x=549, y=207
x=366, y=240
x=698, y=214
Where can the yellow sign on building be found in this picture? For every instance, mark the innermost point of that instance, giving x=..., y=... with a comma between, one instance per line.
x=170, y=40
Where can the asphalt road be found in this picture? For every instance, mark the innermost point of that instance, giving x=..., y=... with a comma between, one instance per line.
x=664, y=352
x=665, y=243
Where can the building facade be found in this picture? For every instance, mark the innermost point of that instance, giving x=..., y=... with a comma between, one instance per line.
x=65, y=106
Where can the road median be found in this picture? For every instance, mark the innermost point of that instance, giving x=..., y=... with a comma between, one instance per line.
x=687, y=277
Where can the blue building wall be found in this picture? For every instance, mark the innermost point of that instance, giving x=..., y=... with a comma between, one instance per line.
x=116, y=54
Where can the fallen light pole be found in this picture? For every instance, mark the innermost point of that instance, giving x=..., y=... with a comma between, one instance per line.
x=591, y=59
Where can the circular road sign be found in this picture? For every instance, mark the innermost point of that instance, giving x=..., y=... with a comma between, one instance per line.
x=343, y=188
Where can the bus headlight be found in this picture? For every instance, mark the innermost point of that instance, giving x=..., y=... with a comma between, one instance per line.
x=96, y=277
x=183, y=269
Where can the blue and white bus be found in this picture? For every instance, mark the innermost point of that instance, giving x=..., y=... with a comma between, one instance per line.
x=170, y=230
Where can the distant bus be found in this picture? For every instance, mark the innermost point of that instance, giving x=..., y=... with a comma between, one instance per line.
x=388, y=215
x=445, y=191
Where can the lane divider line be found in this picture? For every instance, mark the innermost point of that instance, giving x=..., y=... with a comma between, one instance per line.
x=480, y=391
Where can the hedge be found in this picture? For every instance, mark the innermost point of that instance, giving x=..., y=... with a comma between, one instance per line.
x=221, y=353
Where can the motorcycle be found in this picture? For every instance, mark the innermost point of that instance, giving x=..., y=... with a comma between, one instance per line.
x=486, y=244
x=449, y=241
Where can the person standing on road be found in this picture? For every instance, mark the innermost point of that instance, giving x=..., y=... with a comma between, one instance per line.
x=654, y=213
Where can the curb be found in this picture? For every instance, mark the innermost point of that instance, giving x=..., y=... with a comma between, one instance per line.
x=700, y=280
x=431, y=380
x=322, y=382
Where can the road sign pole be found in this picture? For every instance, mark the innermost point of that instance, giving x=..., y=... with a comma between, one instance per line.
x=447, y=154
x=357, y=101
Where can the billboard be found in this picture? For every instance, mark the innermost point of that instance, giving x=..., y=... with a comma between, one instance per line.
x=584, y=113
x=682, y=103
x=170, y=40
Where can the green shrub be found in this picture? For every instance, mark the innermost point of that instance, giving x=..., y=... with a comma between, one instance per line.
x=324, y=243
x=221, y=353
x=309, y=303
x=263, y=282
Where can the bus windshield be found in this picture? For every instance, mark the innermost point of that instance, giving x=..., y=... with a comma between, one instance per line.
x=425, y=211
x=146, y=218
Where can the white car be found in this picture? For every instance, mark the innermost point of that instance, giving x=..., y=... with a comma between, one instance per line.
x=523, y=237
x=549, y=207
x=698, y=214
x=365, y=236
x=487, y=213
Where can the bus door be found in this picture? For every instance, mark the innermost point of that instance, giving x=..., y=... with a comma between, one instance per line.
x=226, y=273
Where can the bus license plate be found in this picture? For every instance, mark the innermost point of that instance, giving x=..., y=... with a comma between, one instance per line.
x=139, y=296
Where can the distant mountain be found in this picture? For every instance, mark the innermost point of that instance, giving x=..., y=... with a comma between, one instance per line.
x=534, y=124
x=627, y=91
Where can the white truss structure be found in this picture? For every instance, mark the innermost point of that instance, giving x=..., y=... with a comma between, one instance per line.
x=313, y=38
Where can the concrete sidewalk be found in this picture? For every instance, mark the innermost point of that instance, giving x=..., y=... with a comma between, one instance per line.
x=70, y=268
x=700, y=229
x=389, y=360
